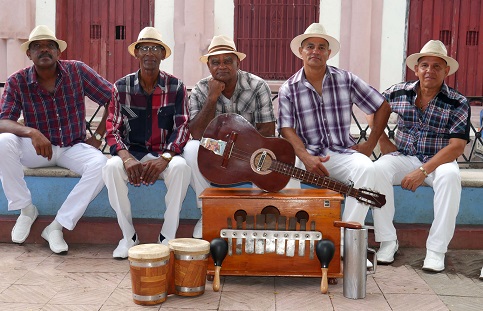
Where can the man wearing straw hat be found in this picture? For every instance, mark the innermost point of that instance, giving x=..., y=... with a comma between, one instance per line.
x=147, y=128
x=433, y=129
x=227, y=90
x=50, y=94
x=315, y=116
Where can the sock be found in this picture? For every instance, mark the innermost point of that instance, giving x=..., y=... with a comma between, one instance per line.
x=28, y=211
x=55, y=225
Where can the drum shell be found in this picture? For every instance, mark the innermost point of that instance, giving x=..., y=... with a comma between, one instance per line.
x=149, y=275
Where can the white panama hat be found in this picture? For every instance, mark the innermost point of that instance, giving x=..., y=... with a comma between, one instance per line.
x=315, y=30
x=222, y=45
x=151, y=35
x=42, y=32
x=433, y=48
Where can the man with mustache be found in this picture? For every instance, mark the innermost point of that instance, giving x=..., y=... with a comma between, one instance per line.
x=227, y=90
x=315, y=116
x=51, y=96
x=433, y=129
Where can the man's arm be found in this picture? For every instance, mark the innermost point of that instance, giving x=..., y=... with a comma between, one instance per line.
x=101, y=130
x=199, y=123
x=266, y=129
x=379, y=122
x=451, y=152
x=312, y=163
x=42, y=145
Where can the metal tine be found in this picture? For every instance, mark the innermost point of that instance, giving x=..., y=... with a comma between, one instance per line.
x=312, y=242
x=292, y=224
x=239, y=240
x=271, y=225
x=281, y=225
x=260, y=241
x=303, y=225
x=230, y=240
x=250, y=243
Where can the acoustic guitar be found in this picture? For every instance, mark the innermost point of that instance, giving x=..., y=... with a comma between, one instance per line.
x=232, y=151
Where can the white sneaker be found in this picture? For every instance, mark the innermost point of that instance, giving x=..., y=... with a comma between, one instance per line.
x=386, y=252
x=123, y=247
x=21, y=230
x=55, y=237
x=197, y=232
x=369, y=264
x=481, y=274
x=434, y=261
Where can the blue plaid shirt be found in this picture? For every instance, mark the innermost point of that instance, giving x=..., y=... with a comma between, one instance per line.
x=424, y=133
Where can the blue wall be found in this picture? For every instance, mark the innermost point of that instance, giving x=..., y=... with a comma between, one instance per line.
x=48, y=193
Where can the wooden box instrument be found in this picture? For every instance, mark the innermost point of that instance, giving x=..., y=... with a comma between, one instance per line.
x=272, y=233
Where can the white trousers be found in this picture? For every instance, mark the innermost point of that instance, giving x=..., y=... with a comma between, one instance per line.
x=345, y=167
x=446, y=183
x=176, y=177
x=82, y=159
x=197, y=182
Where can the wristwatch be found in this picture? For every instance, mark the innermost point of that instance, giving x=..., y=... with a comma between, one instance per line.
x=167, y=156
x=98, y=136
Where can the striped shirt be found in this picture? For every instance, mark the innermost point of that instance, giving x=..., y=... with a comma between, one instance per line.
x=323, y=122
x=251, y=99
x=424, y=133
x=143, y=123
x=61, y=116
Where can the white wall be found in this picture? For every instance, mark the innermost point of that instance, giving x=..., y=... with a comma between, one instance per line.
x=164, y=23
x=330, y=17
x=224, y=15
x=394, y=42
x=45, y=13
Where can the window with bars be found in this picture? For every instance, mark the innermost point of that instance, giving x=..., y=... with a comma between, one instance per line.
x=95, y=32
x=264, y=29
x=120, y=32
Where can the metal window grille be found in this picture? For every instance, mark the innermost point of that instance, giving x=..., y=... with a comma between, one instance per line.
x=472, y=37
x=95, y=32
x=445, y=37
x=120, y=32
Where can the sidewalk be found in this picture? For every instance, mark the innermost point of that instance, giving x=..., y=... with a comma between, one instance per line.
x=87, y=278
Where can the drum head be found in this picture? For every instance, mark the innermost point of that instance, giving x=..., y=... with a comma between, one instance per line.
x=148, y=251
x=189, y=245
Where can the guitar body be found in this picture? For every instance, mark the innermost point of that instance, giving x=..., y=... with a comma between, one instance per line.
x=248, y=143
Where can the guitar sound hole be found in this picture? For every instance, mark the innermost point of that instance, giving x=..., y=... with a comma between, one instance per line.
x=302, y=215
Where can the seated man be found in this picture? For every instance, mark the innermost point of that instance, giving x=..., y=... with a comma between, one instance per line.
x=315, y=116
x=51, y=96
x=433, y=129
x=227, y=90
x=147, y=128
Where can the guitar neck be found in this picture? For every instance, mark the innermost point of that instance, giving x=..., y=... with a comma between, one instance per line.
x=311, y=178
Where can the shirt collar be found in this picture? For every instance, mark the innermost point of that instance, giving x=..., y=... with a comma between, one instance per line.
x=413, y=86
x=137, y=84
x=32, y=74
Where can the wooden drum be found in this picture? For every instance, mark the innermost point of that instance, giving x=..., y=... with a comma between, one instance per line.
x=149, y=270
x=190, y=265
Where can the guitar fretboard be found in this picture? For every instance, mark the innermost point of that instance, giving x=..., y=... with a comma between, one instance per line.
x=314, y=179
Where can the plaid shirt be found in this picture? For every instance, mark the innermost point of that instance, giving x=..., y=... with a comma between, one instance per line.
x=142, y=123
x=324, y=122
x=424, y=133
x=251, y=99
x=61, y=116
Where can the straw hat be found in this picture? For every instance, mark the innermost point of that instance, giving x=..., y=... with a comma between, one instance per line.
x=152, y=35
x=43, y=32
x=318, y=31
x=222, y=45
x=433, y=48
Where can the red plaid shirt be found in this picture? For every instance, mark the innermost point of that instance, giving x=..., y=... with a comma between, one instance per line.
x=60, y=116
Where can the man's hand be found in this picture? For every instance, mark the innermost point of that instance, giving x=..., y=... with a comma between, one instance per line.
x=413, y=180
x=42, y=145
x=363, y=148
x=134, y=171
x=215, y=87
x=314, y=164
x=152, y=169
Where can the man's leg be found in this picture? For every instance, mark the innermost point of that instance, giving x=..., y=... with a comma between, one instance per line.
x=16, y=153
x=197, y=181
x=116, y=181
x=177, y=179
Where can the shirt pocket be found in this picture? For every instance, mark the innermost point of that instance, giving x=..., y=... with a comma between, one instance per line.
x=440, y=118
x=166, y=117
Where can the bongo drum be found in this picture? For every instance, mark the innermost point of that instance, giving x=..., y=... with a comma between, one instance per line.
x=149, y=270
x=190, y=265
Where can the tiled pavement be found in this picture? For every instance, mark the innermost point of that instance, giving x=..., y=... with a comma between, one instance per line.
x=87, y=278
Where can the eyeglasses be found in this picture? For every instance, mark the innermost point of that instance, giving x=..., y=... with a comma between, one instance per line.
x=155, y=49
x=35, y=46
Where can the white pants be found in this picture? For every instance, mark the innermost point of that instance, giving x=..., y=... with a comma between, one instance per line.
x=197, y=182
x=344, y=167
x=176, y=177
x=82, y=159
x=446, y=183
